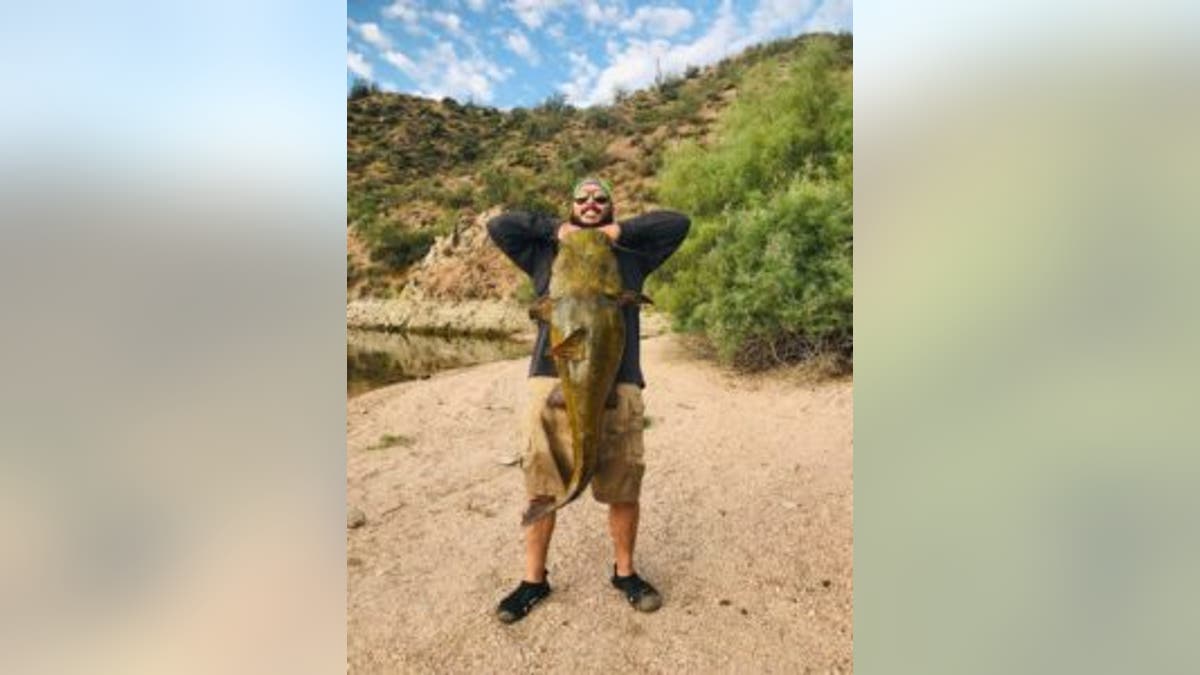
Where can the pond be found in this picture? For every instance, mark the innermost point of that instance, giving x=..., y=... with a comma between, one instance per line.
x=376, y=359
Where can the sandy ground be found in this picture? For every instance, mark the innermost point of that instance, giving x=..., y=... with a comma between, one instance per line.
x=746, y=529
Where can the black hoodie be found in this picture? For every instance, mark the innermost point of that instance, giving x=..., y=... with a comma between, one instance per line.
x=646, y=241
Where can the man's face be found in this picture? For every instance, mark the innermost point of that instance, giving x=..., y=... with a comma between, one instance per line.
x=591, y=206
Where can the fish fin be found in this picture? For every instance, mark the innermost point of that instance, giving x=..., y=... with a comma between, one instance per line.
x=555, y=399
x=540, y=309
x=571, y=346
x=634, y=298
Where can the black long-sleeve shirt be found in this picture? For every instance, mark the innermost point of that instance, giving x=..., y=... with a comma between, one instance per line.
x=646, y=241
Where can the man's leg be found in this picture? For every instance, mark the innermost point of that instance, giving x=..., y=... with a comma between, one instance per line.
x=537, y=546
x=545, y=429
x=618, y=483
x=622, y=525
x=533, y=588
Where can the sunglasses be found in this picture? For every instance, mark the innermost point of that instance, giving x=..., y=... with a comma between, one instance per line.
x=599, y=199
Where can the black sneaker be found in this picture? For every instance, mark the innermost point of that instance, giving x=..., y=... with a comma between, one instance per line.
x=517, y=604
x=639, y=593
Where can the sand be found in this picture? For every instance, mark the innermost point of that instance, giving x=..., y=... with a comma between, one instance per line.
x=746, y=529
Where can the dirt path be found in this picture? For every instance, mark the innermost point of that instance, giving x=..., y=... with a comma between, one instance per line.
x=746, y=529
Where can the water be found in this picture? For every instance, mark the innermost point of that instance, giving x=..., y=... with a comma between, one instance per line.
x=376, y=359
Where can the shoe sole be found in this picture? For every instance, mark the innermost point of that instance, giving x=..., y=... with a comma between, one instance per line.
x=507, y=617
x=648, y=603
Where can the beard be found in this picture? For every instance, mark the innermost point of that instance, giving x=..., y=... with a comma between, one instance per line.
x=605, y=219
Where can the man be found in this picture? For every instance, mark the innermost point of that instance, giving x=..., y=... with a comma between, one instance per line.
x=641, y=244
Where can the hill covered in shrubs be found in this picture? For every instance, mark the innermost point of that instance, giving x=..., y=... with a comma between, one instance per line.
x=757, y=149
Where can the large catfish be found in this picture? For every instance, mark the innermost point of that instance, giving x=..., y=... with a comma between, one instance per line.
x=587, y=338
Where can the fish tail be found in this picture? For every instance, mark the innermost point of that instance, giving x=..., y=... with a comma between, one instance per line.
x=538, y=510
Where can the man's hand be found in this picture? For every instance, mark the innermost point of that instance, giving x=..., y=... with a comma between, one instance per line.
x=612, y=231
x=566, y=229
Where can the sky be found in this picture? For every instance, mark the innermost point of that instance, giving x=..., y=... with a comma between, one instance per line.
x=509, y=53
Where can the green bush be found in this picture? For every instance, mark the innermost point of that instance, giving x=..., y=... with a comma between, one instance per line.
x=500, y=186
x=601, y=118
x=511, y=189
x=586, y=158
x=361, y=88
x=460, y=197
x=397, y=248
x=766, y=272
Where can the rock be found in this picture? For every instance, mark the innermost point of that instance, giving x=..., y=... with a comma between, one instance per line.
x=509, y=460
x=355, y=518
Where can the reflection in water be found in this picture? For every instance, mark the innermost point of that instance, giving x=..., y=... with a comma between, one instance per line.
x=375, y=359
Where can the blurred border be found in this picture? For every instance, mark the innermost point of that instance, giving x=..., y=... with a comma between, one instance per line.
x=172, y=193
x=1025, y=336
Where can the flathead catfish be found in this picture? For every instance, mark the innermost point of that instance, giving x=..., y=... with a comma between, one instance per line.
x=587, y=338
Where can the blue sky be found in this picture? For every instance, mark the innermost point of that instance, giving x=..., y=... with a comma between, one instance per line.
x=508, y=53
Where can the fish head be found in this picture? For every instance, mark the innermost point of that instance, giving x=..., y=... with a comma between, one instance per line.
x=586, y=263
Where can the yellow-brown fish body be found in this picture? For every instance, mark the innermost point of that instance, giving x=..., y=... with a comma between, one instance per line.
x=587, y=338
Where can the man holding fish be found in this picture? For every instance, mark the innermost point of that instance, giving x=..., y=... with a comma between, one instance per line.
x=585, y=418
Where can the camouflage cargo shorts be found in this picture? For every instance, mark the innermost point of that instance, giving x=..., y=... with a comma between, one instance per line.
x=547, y=456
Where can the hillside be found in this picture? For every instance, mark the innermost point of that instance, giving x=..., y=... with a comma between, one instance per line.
x=423, y=175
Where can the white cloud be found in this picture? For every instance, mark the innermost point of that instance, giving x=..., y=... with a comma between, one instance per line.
x=477, y=5
x=557, y=32
x=405, y=10
x=636, y=66
x=583, y=71
x=402, y=62
x=440, y=71
x=519, y=44
x=664, y=21
x=450, y=21
x=358, y=65
x=834, y=15
x=533, y=13
x=373, y=35
x=779, y=16
x=595, y=14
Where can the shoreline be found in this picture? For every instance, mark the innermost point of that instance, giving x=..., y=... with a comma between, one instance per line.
x=473, y=318
x=494, y=319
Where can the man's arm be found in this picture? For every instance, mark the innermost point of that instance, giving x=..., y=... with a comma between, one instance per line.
x=655, y=235
x=522, y=236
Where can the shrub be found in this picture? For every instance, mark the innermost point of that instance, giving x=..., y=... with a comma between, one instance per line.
x=512, y=189
x=397, y=248
x=766, y=273
x=587, y=158
x=555, y=104
x=361, y=88
x=460, y=197
x=600, y=118
x=500, y=186
x=470, y=149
